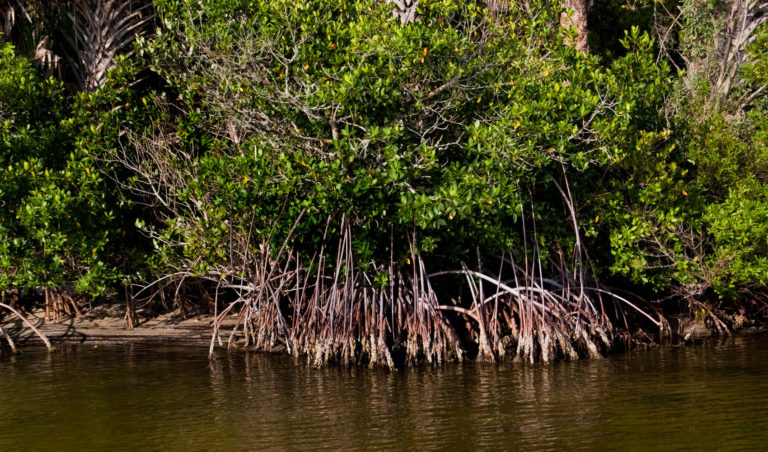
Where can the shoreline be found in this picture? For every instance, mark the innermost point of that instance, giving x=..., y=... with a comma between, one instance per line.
x=105, y=324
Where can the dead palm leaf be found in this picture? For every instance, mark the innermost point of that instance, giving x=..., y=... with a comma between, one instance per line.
x=9, y=10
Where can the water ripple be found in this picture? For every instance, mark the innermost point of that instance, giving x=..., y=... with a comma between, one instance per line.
x=712, y=396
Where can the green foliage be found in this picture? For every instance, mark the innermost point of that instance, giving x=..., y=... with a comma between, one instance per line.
x=611, y=18
x=55, y=218
x=694, y=220
x=462, y=132
x=453, y=130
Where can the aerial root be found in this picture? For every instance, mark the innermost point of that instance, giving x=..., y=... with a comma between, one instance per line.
x=28, y=325
x=330, y=311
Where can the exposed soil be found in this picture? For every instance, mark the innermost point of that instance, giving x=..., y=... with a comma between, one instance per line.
x=105, y=324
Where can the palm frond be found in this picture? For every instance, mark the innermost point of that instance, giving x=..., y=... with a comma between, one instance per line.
x=103, y=29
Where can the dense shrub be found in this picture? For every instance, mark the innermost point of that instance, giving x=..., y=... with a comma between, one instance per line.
x=451, y=129
x=56, y=221
x=696, y=223
x=306, y=139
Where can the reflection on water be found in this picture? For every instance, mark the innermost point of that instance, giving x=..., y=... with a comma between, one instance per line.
x=713, y=396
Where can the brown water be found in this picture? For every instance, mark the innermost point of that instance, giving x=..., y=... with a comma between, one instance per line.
x=707, y=397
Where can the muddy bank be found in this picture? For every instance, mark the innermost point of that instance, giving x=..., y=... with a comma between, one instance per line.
x=105, y=324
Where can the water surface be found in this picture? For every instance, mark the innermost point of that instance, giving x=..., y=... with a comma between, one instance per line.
x=708, y=397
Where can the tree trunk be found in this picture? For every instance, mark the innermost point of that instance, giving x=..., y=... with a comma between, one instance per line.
x=577, y=19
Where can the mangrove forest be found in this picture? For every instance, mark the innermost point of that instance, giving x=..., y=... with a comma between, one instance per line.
x=389, y=182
